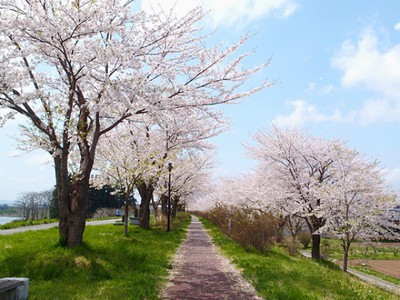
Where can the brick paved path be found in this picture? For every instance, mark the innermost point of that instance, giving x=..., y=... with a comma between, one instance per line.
x=200, y=272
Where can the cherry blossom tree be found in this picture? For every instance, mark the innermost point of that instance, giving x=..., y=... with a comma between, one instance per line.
x=77, y=69
x=295, y=163
x=333, y=188
x=191, y=177
x=141, y=151
x=126, y=156
x=355, y=201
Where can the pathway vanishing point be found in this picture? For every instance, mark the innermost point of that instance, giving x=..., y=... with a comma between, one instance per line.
x=200, y=272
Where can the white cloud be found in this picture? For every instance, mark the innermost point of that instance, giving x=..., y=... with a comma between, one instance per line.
x=397, y=26
x=377, y=111
x=327, y=89
x=226, y=12
x=372, y=112
x=304, y=113
x=313, y=88
x=365, y=64
x=392, y=176
x=39, y=160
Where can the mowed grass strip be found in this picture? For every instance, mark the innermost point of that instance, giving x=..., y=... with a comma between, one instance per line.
x=108, y=265
x=277, y=275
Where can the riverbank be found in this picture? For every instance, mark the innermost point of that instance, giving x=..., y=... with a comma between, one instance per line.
x=6, y=219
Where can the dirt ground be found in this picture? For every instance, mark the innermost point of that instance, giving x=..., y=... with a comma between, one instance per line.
x=388, y=267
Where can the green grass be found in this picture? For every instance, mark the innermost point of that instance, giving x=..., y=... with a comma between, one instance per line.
x=277, y=275
x=108, y=265
x=18, y=223
x=368, y=270
x=360, y=250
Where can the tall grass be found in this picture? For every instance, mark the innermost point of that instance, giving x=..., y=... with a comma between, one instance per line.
x=276, y=275
x=108, y=265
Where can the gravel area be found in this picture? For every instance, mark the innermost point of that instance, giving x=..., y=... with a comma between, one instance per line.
x=201, y=272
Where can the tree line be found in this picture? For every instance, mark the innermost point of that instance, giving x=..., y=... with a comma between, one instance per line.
x=314, y=183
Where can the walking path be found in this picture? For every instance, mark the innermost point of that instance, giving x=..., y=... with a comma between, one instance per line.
x=47, y=226
x=200, y=272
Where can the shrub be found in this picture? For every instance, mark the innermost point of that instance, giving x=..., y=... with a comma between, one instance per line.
x=304, y=238
x=325, y=249
x=104, y=212
x=293, y=246
x=251, y=229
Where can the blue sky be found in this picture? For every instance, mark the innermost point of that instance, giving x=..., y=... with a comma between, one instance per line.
x=337, y=70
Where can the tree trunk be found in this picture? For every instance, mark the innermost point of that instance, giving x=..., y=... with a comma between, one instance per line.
x=72, y=198
x=315, y=251
x=73, y=210
x=155, y=207
x=175, y=203
x=345, y=259
x=146, y=193
x=164, y=199
x=126, y=197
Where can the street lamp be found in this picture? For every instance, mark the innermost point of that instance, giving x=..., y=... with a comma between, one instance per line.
x=169, y=198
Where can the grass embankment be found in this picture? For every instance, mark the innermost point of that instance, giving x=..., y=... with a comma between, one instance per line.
x=365, y=251
x=370, y=271
x=277, y=275
x=19, y=223
x=108, y=265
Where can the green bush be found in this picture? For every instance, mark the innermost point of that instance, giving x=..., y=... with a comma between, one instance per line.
x=304, y=238
x=293, y=246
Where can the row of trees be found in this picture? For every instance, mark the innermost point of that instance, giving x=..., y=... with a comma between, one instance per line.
x=330, y=187
x=34, y=205
x=91, y=73
x=44, y=204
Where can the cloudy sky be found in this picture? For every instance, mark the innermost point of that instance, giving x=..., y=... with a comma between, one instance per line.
x=336, y=68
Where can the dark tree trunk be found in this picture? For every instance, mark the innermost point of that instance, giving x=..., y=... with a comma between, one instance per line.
x=73, y=194
x=316, y=241
x=73, y=207
x=126, y=198
x=345, y=260
x=146, y=193
x=314, y=224
x=346, y=242
x=164, y=199
x=175, y=203
x=280, y=224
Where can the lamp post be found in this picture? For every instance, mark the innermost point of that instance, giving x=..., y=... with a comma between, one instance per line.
x=169, y=198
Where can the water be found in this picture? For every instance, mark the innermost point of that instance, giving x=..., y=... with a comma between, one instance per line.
x=4, y=220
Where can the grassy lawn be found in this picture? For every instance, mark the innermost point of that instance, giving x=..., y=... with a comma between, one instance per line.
x=108, y=266
x=277, y=275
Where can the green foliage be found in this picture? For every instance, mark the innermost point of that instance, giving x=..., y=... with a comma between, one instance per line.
x=7, y=210
x=104, y=197
x=276, y=275
x=108, y=265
